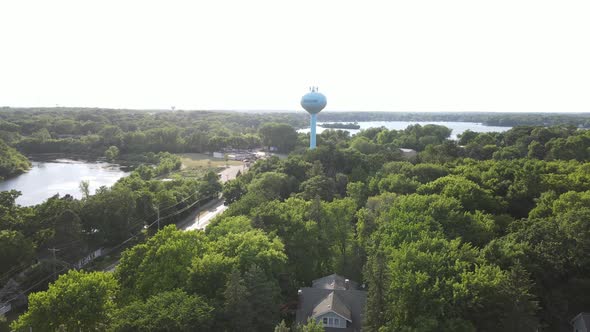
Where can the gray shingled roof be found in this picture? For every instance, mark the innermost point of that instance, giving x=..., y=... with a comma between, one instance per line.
x=334, y=303
x=334, y=281
x=585, y=317
x=354, y=300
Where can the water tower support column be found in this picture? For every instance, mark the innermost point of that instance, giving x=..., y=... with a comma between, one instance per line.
x=312, y=132
x=313, y=102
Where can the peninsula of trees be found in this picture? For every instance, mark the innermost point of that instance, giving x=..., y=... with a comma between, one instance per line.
x=340, y=125
x=11, y=161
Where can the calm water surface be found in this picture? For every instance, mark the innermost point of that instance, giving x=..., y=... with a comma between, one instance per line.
x=457, y=127
x=63, y=176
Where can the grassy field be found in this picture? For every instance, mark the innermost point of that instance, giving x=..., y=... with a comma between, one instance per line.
x=197, y=164
x=199, y=160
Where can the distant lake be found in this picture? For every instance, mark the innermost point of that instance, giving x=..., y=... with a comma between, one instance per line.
x=63, y=176
x=457, y=127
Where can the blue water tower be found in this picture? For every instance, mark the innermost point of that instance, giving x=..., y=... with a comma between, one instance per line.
x=313, y=102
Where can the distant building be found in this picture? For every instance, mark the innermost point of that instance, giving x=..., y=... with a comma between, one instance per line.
x=408, y=153
x=581, y=322
x=335, y=302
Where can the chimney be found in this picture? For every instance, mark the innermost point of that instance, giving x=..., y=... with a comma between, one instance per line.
x=346, y=283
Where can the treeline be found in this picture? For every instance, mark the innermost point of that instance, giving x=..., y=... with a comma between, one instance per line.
x=109, y=218
x=448, y=240
x=93, y=131
x=547, y=143
x=487, y=118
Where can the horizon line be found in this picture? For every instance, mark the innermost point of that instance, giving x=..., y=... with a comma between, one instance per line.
x=279, y=110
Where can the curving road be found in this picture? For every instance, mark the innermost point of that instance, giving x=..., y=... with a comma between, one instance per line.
x=200, y=218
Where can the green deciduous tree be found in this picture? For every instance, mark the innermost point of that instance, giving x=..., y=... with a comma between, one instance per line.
x=160, y=264
x=282, y=327
x=311, y=326
x=318, y=186
x=471, y=195
x=76, y=301
x=440, y=285
x=15, y=249
x=167, y=311
x=279, y=135
x=272, y=185
x=111, y=153
x=396, y=183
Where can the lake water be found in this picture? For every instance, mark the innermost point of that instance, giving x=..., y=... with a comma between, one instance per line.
x=63, y=176
x=457, y=127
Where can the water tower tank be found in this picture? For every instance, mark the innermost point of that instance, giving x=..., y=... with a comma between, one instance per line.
x=313, y=102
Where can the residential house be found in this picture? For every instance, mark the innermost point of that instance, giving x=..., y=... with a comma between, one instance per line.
x=335, y=302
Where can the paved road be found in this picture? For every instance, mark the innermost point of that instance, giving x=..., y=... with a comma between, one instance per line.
x=200, y=218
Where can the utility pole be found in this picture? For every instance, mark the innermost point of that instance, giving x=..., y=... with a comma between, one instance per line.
x=158, y=212
x=53, y=250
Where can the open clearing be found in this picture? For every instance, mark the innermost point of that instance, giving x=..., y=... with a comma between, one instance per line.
x=201, y=160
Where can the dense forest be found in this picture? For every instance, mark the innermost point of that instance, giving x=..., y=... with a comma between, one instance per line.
x=486, y=233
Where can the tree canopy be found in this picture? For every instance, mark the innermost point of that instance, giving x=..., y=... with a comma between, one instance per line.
x=485, y=233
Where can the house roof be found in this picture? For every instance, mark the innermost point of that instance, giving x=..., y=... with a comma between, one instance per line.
x=334, y=281
x=312, y=300
x=585, y=317
x=332, y=303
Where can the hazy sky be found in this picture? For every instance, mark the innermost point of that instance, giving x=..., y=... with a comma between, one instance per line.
x=413, y=55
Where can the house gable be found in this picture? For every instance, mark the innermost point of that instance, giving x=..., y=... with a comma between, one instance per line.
x=581, y=323
x=332, y=303
x=332, y=319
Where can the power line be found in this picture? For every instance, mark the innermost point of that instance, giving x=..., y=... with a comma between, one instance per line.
x=54, y=250
x=178, y=203
x=184, y=209
x=14, y=271
x=158, y=210
x=34, y=285
x=67, y=244
x=156, y=221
